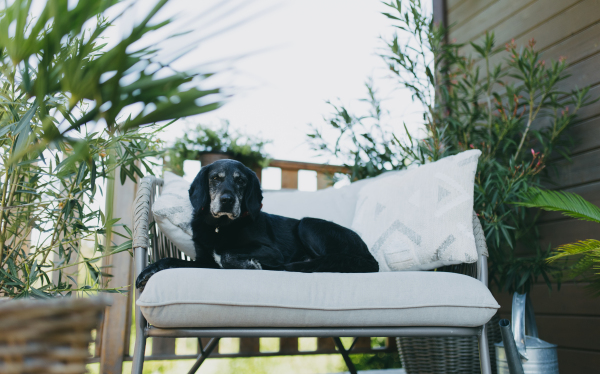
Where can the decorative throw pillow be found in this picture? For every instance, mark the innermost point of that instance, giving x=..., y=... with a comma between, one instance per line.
x=421, y=219
x=173, y=213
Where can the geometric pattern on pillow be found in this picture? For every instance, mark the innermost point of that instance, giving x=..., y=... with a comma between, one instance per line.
x=421, y=219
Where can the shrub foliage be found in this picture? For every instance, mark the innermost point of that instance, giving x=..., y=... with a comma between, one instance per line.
x=66, y=127
x=514, y=111
x=246, y=149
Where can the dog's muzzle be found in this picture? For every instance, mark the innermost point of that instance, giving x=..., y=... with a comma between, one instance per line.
x=225, y=204
x=227, y=200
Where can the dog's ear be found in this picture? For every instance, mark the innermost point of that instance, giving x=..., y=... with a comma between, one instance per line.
x=252, y=195
x=198, y=191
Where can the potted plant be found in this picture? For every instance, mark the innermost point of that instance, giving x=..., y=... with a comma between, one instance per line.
x=208, y=145
x=465, y=107
x=467, y=103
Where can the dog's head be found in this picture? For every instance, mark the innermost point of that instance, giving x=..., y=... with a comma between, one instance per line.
x=227, y=190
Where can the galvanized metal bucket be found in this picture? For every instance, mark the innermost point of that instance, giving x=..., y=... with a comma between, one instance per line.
x=537, y=356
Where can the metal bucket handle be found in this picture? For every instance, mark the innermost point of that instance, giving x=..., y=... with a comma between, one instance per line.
x=523, y=318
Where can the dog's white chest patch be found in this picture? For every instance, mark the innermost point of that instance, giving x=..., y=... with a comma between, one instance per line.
x=217, y=259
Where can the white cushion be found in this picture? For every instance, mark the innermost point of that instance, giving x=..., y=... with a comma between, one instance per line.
x=251, y=298
x=173, y=213
x=331, y=204
x=336, y=205
x=421, y=219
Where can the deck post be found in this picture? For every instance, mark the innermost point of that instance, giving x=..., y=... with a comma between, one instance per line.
x=117, y=320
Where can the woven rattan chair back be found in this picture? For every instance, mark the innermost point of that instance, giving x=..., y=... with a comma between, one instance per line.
x=157, y=243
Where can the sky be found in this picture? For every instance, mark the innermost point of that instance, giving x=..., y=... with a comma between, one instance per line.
x=281, y=61
x=299, y=55
x=317, y=50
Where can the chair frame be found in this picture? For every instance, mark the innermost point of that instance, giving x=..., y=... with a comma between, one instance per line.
x=162, y=248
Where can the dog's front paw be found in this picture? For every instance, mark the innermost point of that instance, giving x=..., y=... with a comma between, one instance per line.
x=145, y=275
x=233, y=261
x=253, y=264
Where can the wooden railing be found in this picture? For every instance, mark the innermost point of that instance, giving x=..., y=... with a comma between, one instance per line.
x=250, y=347
x=290, y=169
x=112, y=344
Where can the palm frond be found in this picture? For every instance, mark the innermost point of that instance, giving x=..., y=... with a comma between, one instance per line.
x=590, y=246
x=594, y=286
x=586, y=266
x=582, y=267
x=569, y=204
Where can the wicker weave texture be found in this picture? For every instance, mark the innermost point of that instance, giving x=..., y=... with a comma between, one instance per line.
x=480, y=243
x=142, y=213
x=437, y=355
x=48, y=336
x=146, y=233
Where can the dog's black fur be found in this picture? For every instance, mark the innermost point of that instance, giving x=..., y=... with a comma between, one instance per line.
x=231, y=232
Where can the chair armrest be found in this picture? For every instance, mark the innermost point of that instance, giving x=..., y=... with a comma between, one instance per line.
x=480, y=244
x=482, y=270
x=143, y=210
x=142, y=217
x=482, y=250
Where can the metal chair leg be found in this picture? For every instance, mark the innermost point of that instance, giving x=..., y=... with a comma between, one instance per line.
x=484, y=352
x=204, y=353
x=344, y=353
x=141, y=260
x=138, y=352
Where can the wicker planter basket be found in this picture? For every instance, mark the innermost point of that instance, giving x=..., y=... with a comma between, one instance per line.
x=48, y=336
x=435, y=355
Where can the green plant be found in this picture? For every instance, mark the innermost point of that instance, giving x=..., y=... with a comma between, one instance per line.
x=66, y=128
x=514, y=112
x=244, y=148
x=376, y=361
x=572, y=205
x=365, y=142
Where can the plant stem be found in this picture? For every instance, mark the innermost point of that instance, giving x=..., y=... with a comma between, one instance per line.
x=56, y=232
x=489, y=93
x=532, y=116
x=11, y=193
x=110, y=188
x=2, y=234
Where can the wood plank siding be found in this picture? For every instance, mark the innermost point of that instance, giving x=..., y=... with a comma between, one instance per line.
x=571, y=28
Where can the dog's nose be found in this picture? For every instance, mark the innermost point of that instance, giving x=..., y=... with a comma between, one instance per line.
x=226, y=200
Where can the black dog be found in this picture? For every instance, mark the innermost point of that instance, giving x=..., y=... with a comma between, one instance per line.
x=231, y=232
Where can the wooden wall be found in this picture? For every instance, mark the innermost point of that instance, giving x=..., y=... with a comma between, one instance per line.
x=570, y=28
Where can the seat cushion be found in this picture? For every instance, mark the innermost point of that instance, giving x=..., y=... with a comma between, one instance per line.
x=260, y=298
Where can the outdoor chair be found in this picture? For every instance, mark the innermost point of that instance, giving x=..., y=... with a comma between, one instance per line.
x=216, y=303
